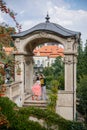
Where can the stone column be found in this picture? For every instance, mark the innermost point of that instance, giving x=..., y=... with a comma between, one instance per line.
x=69, y=72
x=28, y=73
x=66, y=104
x=19, y=63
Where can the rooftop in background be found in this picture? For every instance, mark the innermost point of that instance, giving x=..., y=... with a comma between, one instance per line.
x=51, y=51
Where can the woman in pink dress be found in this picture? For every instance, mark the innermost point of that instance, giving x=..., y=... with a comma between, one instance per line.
x=36, y=90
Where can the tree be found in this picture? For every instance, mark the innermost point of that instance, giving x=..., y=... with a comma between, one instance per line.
x=55, y=72
x=58, y=67
x=5, y=38
x=82, y=95
x=48, y=72
x=85, y=58
x=12, y=14
x=80, y=62
x=6, y=41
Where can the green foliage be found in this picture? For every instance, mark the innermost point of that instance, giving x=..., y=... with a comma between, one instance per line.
x=58, y=67
x=48, y=81
x=6, y=41
x=82, y=95
x=7, y=109
x=55, y=83
x=19, y=119
x=4, y=124
x=5, y=33
x=61, y=82
x=53, y=95
x=85, y=59
x=80, y=62
x=48, y=71
x=52, y=119
x=82, y=79
x=1, y=79
x=56, y=72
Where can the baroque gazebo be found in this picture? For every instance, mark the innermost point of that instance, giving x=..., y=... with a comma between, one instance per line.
x=26, y=42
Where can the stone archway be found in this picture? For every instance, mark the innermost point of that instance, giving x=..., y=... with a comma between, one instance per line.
x=25, y=43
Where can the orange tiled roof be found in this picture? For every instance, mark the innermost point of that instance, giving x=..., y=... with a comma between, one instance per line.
x=49, y=50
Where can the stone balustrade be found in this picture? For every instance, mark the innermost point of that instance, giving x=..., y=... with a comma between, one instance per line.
x=13, y=90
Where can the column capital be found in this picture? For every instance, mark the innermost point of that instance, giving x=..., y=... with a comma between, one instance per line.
x=70, y=59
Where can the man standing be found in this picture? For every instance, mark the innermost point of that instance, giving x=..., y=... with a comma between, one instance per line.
x=43, y=87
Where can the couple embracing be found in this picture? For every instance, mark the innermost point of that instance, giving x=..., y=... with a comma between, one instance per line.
x=39, y=88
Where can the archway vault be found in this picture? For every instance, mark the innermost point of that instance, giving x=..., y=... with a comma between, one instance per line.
x=25, y=43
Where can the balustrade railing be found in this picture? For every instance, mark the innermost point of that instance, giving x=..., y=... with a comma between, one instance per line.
x=13, y=90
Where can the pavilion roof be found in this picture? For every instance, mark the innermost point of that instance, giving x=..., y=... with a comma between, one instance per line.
x=48, y=26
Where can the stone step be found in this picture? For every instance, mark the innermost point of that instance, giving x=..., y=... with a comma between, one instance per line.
x=28, y=96
x=35, y=105
x=40, y=104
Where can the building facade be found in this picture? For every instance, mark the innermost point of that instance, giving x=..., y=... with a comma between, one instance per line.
x=45, y=56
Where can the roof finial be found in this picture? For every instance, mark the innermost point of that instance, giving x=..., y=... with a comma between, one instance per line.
x=47, y=18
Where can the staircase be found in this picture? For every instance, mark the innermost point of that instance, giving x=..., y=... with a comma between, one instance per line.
x=36, y=103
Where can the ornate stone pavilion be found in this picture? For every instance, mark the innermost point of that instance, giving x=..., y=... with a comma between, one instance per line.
x=26, y=42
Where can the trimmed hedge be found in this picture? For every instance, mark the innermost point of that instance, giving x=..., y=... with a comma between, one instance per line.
x=19, y=119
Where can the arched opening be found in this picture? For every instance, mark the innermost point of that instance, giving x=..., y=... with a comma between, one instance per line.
x=47, y=60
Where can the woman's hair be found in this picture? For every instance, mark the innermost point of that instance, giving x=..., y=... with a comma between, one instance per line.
x=42, y=75
x=37, y=78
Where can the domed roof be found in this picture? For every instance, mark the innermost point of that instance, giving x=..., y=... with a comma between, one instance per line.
x=48, y=27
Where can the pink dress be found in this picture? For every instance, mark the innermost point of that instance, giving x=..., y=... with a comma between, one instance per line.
x=36, y=89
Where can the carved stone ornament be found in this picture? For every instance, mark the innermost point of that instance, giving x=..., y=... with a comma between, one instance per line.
x=68, y=60
x=43, y=34
x=17, y=40
x=28, y=62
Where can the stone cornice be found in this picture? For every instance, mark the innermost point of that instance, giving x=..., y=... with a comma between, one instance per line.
x=70, y=53
x=22, y=53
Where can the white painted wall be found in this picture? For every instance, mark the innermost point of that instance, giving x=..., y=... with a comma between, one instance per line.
x=43, y=60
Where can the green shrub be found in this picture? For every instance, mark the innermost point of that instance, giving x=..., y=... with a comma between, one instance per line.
x=19, y=119
x=52, y=119
x=53, y=96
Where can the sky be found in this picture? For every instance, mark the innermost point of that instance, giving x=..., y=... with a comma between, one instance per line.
x=71, y=14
